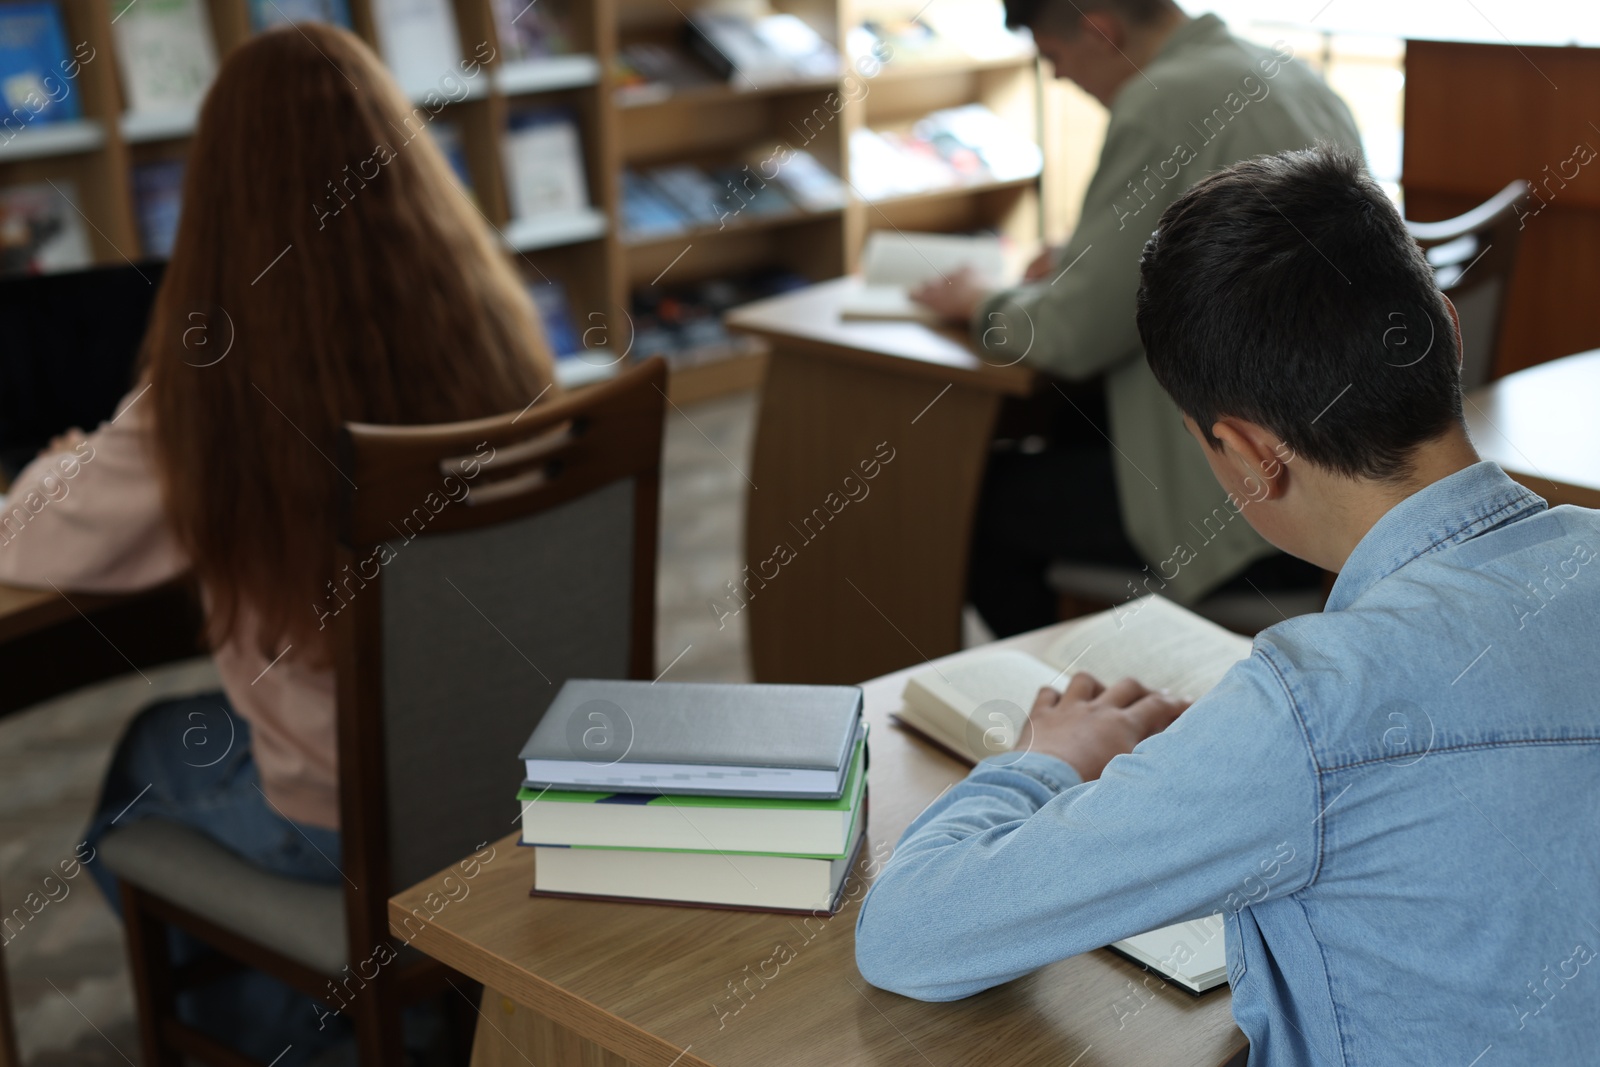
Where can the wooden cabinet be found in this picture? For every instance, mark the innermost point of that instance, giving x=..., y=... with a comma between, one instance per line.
x=1476, y=117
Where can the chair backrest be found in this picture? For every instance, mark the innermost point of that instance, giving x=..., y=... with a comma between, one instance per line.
x=493, y=560
x=1472, y=256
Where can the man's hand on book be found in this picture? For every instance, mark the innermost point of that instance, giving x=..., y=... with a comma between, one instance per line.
x=954, y=297
x=1089, y=723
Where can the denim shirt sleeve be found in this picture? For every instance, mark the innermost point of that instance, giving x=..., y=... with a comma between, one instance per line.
x=1023, y=864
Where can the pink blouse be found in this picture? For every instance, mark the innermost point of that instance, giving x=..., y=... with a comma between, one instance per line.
x=92, y=520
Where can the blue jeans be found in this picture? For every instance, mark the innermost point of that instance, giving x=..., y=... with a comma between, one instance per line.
x=189, y=761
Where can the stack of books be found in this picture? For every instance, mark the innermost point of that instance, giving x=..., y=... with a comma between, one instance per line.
x=732, y=796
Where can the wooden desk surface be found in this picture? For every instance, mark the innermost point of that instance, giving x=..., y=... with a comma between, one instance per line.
x=808, y=320
x=1543, y=426
x=26, y=611
x=643, y=980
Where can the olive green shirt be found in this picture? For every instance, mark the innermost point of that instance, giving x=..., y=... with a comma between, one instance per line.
x=1207, y=100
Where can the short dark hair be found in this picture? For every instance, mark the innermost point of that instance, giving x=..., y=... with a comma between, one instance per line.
x=1054, y=14
x=1287, y=291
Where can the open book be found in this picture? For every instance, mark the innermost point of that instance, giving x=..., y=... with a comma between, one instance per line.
x=976, y=708
x=894, y=263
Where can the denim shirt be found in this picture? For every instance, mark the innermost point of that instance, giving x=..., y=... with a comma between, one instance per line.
x=1395, y=804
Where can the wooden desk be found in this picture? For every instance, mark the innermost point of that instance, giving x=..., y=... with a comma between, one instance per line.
x=848, y=589
x=572, y=982
x=51, y=644
x=1540, y=425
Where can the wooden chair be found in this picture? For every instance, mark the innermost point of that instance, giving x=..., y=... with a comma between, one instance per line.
x=511, y=553
x=1472, y=256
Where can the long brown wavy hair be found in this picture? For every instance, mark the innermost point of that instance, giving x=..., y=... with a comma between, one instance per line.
x=327, y=269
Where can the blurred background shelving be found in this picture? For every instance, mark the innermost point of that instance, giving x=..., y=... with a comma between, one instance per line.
x=543, y=108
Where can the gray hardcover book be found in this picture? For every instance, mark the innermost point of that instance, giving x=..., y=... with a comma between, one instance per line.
x=696, y=738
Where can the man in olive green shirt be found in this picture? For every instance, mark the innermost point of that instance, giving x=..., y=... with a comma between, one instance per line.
x=1185, y=98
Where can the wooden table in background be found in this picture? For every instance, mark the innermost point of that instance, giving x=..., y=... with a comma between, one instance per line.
x=51, y=643
x=601, y=984
x=880, y=583
x=1541, y=426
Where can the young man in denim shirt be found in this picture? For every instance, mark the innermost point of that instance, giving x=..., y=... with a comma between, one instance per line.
x=1395, y=804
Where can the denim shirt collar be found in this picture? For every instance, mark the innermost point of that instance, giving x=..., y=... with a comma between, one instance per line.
x=1453, y=509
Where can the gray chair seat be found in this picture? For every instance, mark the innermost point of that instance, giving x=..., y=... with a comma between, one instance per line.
x=298, y=919
x=1247, y=613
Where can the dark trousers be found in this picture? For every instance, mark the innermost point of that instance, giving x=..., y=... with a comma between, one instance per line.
x=1059, y=502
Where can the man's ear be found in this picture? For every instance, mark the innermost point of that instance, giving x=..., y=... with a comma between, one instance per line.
x=1104, y=29
x=1255, y=452
x=1455, y=324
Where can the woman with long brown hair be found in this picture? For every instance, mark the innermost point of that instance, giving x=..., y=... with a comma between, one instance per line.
x=327, y=268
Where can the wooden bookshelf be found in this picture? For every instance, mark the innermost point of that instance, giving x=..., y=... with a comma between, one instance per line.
x=599, y=265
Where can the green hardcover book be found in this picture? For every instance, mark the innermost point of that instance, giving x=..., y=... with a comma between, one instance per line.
x=707, y=879
x=695, y=823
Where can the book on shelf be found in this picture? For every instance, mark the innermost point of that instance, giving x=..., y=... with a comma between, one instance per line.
x=810, y=184
x=41, y=230
x=544, y=158
x=979, y=29
x=975, y=708
x=894, y=263
x=532, y=30
x=555, y=315
x=684, y=324
x=695, y=738
x=165, y=53
x=939, y=33
x=34, y=59
x=265, y=14
x=647, y=212
x=946, y=149
x=158, y=198
x=723, y=824
x=1006, y=154
x=743, y=193
x=452, y=142
x=693, y=191
x=897, y=38
x=744, y=880
x=754, y=52
x=648, y=72
x=419, y=42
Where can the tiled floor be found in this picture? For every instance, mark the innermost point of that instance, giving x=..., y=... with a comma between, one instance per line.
x=73, y=1004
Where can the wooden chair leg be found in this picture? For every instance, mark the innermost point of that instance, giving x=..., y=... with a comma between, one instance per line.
x=376, y=1015
x=150, y=967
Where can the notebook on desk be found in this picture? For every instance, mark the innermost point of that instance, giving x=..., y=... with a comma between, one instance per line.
x=976, y=708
